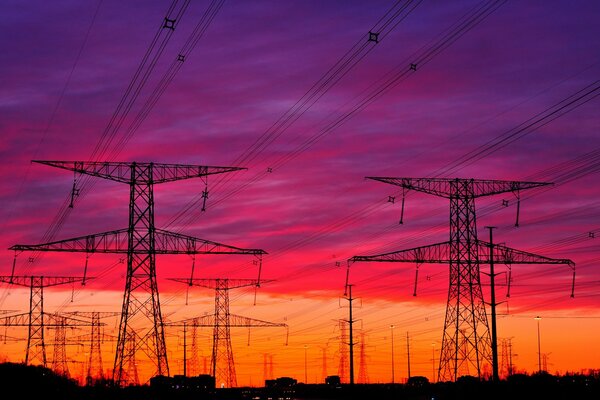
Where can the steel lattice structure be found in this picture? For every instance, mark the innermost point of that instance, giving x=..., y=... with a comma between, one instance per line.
x=141, y=241
x=222, y=363
x=36, y=319
x=466, y=338
x=59, y=360
x=95, y=368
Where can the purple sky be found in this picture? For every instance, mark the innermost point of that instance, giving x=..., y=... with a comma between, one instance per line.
x=254, y=62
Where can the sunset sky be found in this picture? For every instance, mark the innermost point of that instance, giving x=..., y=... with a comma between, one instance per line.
x=511, y=97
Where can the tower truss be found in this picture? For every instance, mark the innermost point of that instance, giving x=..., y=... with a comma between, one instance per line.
x=222, y=362
x=37, y=319
x=140, y=241
x=466, y=344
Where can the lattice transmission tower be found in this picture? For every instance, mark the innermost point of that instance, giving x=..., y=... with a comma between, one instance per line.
x=222, y=362
x=466, y=343
x=140, y=241
x=95, y=368
x=363, y=376
x=343, y=365
x=36, y=320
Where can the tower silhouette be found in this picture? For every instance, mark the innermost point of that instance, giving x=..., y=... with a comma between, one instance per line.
x=141, y=241
x=37, y=319
x=343, y=350
x=222, y=363
x=363, y=377
x=466, y=338
x=95, y=367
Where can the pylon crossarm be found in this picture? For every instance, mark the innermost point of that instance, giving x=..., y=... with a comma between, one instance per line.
x=508, y=255
x=446, y=187
x=197, y=322
x=50, y=320
x=104, y=242
x=39, y=281
x=121, y=171
x=438, y=253
x=175, y=243
x=238, y=321
x=93, y=314
x=235, y=321
x=116, y=242
x=213, y=284
x=86, y=338
x=6, y=338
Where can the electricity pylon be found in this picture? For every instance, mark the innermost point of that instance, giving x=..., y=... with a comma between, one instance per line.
x=141, y=241
x=466, y=337
x=343, y=350
x=95, y=368
x=36, y=319
x=362, y=369
x=222, y=364
x=59, y=359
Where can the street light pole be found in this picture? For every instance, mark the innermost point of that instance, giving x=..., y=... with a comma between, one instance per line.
x=433, y=362
x=392, y=329
x=305, y=367
x=539, y=347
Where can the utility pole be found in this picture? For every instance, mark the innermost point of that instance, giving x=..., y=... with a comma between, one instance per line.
x=185, y=349
x=392, y=330
x=465, y=326
x=305, y=364
x=140, y=241
x=493, y=304
x=408, y=353
x=538, y=318
x=350, y=321
x=511, y=368
x=433, y=362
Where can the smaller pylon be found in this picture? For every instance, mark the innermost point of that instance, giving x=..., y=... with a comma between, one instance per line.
x=59, y=360
x=343, y=366
x=95, y=367
x=362, y=367
x=131, y=368
x=194, y=364
x=36, y=319
x=324, y=364
x=223, y=366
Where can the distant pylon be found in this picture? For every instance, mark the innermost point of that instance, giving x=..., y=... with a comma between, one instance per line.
x=205, y=365
x=506, y=368
x=59, y=360
x=131, y=368
x=362, y=368
x=37, y=319
x=194, y=365
x=466, y=325
x=343, y=350
x=222, y=363
x=141, y=240
x=265, y=367
x=271, y=376
x=95, y=368
x=324, y=364
x=463, y=354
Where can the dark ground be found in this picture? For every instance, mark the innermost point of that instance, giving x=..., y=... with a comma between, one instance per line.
x=30, y=382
